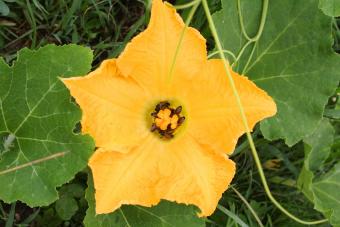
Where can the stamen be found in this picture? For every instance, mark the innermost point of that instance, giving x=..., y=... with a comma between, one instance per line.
x=181, y=120
x=153, y=127
x=166, y=119
x=178, y=110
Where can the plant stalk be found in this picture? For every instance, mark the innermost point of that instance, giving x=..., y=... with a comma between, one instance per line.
x=245, y=123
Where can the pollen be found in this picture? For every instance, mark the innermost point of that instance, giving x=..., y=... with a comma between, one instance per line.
x=166, y=119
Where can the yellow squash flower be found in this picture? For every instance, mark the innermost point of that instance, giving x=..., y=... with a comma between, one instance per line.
x=159, y=139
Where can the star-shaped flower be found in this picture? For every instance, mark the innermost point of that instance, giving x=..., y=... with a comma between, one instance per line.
x=158, y=138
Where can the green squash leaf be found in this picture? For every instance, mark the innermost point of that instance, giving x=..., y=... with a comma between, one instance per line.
x=165, y=214
x=38, y=150
x=4, y=10
x=330, y=7
x=72, y=190
x=66, y=207
x=327, y=197
x=322, y=190
x=293, y=60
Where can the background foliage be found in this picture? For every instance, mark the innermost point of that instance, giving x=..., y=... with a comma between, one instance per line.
x=297, y=38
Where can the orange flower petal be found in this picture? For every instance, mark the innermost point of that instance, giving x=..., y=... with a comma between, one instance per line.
x=113, y=107
x=213, y=114
x=132, y=165
x=181, y=170
x=149, y=56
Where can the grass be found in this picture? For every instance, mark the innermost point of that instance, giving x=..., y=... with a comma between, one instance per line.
x=107, y=26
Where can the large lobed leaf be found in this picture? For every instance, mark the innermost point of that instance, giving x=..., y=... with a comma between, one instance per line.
x=293, y=60
x=165, y=214
x=322, y=190
x=40, y=152
x=330, y=7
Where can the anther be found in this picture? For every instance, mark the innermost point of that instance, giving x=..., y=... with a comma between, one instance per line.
x=153, y=127
x=166, y=119
x=168, y=135
x=178, y=110
x=162, y=105
x=181, y=120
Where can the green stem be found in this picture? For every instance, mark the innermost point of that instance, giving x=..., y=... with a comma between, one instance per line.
x=248, y=205
x=245, y=145
x=245, y=123
x=187, y=5
x=241, y=53
x=187, y=22
x=244, y=32
x=240, y=17
x=249, y=58
x=262, y=22
x=224, y=51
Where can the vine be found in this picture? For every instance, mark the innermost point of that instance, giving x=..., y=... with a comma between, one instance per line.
x=187, y=5
x=242, y=112
x=194, y=4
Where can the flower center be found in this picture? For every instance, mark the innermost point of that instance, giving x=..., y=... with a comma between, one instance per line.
x=166, y=119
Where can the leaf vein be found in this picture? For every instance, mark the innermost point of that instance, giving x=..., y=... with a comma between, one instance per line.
x=36, y=105
x=276, y=39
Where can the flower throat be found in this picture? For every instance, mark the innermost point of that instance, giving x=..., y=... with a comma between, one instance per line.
x=166, y=119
